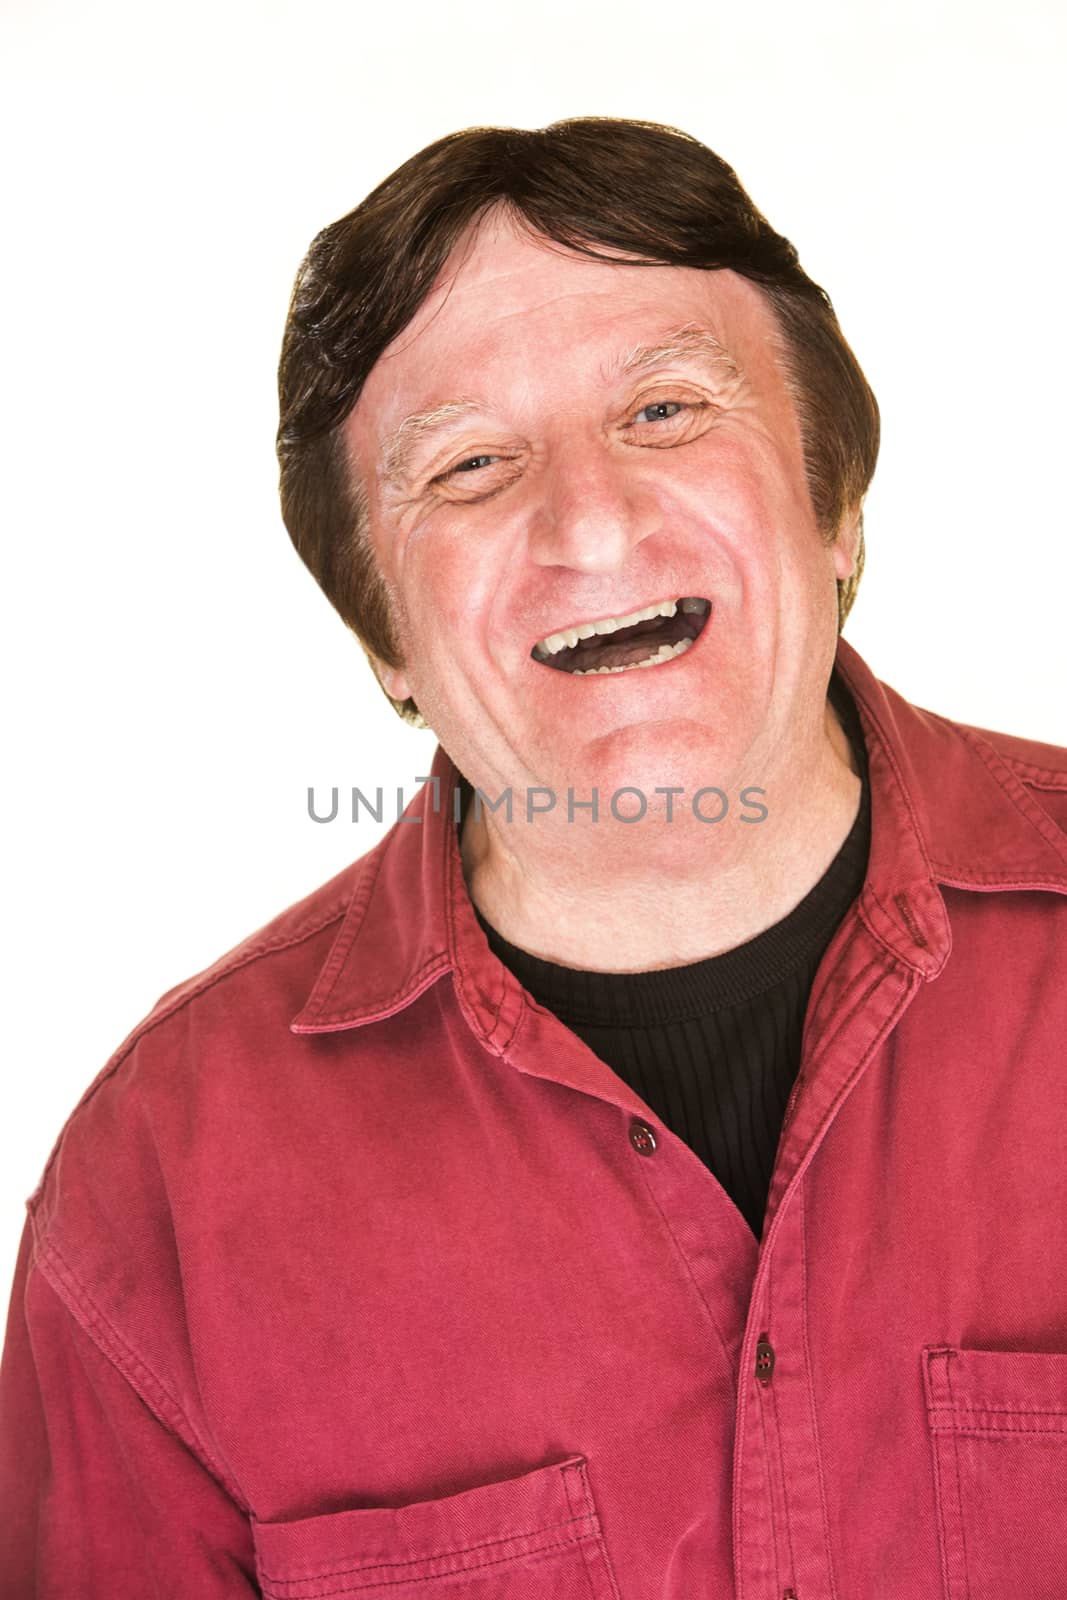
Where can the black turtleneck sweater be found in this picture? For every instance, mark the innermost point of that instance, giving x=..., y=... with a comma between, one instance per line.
x=713, y=1047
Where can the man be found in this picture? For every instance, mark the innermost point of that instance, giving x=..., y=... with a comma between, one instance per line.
x=640, y=1176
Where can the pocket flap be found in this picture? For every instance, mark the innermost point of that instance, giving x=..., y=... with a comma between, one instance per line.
x=493, y=1526
x=995, y=1391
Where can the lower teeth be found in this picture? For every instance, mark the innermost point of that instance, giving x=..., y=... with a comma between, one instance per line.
x=666, y=652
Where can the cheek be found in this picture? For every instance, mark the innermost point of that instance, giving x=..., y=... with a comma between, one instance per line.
x=439, y=611
x=740, y=494
x=774, y=479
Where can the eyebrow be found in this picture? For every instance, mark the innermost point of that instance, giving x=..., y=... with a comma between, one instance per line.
x=415, y=431
x=689, y=342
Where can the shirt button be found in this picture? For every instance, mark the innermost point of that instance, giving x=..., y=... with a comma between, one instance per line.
x=642, y=1138
x=764, y=1359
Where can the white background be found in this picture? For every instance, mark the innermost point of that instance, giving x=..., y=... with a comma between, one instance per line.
x=175, y=679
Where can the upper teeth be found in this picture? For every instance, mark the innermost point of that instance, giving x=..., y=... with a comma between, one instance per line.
x=585, y=630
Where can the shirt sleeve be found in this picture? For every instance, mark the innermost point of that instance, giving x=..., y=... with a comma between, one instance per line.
x=99, y=1497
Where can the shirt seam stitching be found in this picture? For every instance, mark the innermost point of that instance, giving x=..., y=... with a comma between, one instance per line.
x=432, y=966
x=1029, y=772
x=820, y=1475
x=317, y=1574
x=692, y=1277
x=121, y=1355
x=352, y=915
x=772, y=1397
x=984, y=751
x=767, y=1475
x=956, y=1464
x=887, y=753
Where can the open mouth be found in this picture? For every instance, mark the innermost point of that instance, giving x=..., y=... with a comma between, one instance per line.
x=647, y=638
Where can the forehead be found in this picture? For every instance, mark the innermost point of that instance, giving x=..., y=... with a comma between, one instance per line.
x=509, y=310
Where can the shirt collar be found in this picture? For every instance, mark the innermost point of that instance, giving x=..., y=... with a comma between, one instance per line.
x=946, y=810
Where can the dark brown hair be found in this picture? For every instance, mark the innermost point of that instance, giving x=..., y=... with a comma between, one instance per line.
x=639, y=187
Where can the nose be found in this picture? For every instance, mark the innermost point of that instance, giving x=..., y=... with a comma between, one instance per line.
x=592, y=512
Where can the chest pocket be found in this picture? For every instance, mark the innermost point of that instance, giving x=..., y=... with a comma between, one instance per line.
x=535, y=1537
x=998, y=1427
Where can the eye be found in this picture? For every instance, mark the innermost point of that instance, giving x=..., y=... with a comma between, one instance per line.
x=669, y=421
x=472, y=463
x=662, y=406
x=460, y=482
x=469, y=466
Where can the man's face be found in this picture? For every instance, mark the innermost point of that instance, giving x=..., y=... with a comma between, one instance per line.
x=594, y=463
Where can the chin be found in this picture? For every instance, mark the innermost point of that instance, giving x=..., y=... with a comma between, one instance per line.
x=679, y=754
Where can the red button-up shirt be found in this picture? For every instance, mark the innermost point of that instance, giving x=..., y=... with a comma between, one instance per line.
x=356, y=1273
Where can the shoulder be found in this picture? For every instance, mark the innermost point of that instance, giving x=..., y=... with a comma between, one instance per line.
x=950, y=764
x=131, y=1223
x=177, y=1132
x=209, y=1028
x=1040, y=767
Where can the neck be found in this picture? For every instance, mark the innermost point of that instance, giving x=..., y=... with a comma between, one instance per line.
x=642, y=896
